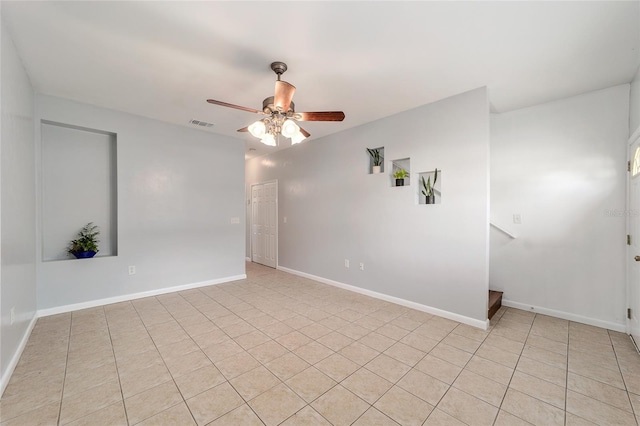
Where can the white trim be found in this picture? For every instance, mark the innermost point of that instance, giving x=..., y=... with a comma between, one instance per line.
x=499, y=228
x=566, y=315
x=635, y=345
x=484, y=325
x=126, y=297
x=628, y=263
x=248, y=259
x=4, y=381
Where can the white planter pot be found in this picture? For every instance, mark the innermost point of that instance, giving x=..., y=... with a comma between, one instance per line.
x=376, y=169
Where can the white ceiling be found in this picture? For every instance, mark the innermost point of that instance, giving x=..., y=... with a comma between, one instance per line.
x=369, y=59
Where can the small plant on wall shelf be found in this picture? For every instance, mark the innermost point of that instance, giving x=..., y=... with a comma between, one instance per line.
x=377, y=159
x=428, y=188
x=86, y=245
x=400, y=175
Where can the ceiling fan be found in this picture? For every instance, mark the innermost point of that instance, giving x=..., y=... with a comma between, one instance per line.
x=280, y=115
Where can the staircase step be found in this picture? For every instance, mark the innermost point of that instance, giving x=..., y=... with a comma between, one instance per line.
x=495, y=302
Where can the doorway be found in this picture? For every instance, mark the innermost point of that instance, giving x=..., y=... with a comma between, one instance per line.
x=264, y=223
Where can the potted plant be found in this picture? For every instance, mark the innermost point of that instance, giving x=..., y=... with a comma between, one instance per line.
x=400, y=174
x=427, y=188
x=86, y=245
x=377, y=159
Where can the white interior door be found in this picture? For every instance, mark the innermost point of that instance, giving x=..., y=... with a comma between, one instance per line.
x=633, y=323
x=264, y=223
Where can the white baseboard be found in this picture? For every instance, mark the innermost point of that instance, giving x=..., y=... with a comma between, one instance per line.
x=566, y=315
x=126, y=297
x=4, y=381
x=484, y=325
x=248, y=259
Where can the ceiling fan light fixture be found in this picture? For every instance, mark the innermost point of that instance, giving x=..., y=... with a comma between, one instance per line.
x=289, y=128
x=297, y=138
x=268, y=139
x=279, y=113
x=258, y=129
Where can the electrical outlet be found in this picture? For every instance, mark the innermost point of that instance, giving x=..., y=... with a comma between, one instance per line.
x=284, y=219
x=517, y=219
x=346, y=263
x=361, y=266
x=13, y=315
x=132, y=270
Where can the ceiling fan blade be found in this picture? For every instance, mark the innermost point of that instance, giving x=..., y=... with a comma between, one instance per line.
x=304, y=132
x=283, y=96
x=319, y=116
x=244, y=129
x=225, y=104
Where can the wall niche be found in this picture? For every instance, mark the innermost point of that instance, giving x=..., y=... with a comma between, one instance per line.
x=433, y=185
x=373, y=169
x=79, y=185
x=397, y=166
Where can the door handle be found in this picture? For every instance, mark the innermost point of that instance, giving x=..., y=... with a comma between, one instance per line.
x=637, y=258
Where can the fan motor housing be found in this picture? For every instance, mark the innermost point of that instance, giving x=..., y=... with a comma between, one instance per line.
x=269, y=108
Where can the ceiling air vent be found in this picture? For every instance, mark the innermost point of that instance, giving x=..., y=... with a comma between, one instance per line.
x=200, y=123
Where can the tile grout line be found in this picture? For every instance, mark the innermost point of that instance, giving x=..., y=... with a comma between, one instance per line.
x=226, y=379
x=184, y=400
x=163, y=362
x=371, y=405
x=307, y=404
x=435, y=406
x=66, y=365
x=514, y=369
x=115, y=361
x=337, y=352
x=213, y=363
x=615, y=353
x=599, y=381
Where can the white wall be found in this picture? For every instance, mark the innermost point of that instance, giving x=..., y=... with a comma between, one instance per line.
x=336, y=210
x=178, y=189
x=562, y=166
x=17, y=200
x=634, y=105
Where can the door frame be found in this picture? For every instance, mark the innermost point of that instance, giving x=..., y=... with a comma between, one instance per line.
x=628, y=264
x=251, y=219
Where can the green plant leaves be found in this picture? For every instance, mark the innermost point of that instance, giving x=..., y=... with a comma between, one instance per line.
x=400, y=174
x=375, y=156
x=428, y=187
x=87, y=239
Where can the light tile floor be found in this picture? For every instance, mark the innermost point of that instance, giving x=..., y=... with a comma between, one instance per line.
x=279, y=349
